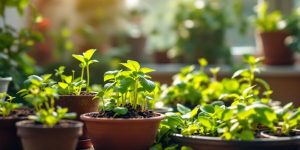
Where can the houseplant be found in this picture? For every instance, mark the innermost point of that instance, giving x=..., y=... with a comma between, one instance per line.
x=75, y=93
x=252, y=121
x=272, y=32
x=8, y=136
x=123, y=121
x=46, y=129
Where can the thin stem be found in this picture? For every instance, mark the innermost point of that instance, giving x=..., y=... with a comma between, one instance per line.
x=88, y=78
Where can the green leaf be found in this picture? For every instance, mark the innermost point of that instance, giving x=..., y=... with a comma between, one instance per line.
x=110, y=75
x=147, y=70
x=92, y=61
x=207, y=108
x=120, y=110
x=147, y=84
x=206, y=122
x=62, y=85
x=247, y=135
x=79, y=57
x=182, y=109
x=132, y=65
x=68, y=79
x=238, y=73
x=227, y=114
x=88, y=54
x=202, y=62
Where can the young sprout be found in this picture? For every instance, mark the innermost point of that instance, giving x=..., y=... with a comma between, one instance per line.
x=7, y=106
x=85, y=61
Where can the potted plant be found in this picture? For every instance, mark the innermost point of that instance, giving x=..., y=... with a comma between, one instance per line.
x=272, y=33
x=75, y=93
x=123, y=121
x=46, y=129
x=8, y=118
x=252, y=121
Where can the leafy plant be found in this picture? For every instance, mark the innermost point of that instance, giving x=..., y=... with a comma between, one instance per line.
x=6, y=107
x=194, y=86
x=38, y=92
x=15, y=44
x=265, y=21
x=85, y=62
x=68, y=84
x=126, y=87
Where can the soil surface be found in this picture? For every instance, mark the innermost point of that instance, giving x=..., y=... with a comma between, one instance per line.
x=21, y=113
x=83, y=93
x=132, y=113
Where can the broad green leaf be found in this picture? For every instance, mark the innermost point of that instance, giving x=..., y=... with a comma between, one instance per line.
x=247, y=135
x=46, y=77
x=194, y=112
x=182, y=109
x=89, y=54
x=206, y=122
x=202, y=62
x=132, y=65
x=190, y=130
x=227, y=114
x=207, y=108
x=147, y=84
x=79, y=58
x=68, y=79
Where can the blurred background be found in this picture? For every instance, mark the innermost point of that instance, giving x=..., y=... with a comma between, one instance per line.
x=163, y=34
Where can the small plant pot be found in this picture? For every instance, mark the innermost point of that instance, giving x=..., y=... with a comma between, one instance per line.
x=4, y=82
x=39, y=137
x=216, y=143
x=8, y=134
x=276, y=52
x=80, y=104
x=121, y=134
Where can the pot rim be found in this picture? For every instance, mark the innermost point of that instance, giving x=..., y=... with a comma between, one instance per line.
x=30, y=124
x=218, y=139
x=79, y=95
x=6, y=78
x=84, y=117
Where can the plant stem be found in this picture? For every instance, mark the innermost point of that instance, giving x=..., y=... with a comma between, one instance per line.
x=88, y=78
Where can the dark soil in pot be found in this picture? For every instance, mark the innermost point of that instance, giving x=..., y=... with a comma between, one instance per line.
x=63, y=136
x=8, y=132
x=215, y=143
x=133, y=133
x=80, y=104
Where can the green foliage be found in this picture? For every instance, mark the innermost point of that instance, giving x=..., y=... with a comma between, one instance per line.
x=40, y=94
x=267, y=22
x=201, y=27
x=6, y=106
x=85, y=61
x=132, y=86
x=192, y=86
x=68, y=84
x=14, y=61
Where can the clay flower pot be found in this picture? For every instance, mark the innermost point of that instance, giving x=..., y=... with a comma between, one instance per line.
x=39, y=137
x=8, y=134
x=121, y=134
x=80, y=104
x=276, y=52
x=216, y=143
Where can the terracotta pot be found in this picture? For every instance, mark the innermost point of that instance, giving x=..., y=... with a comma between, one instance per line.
x=161, y=57
x=276, y=52
x=216, y=143
x=39, y=137
x=121, y=134
x=80, y=105
x=8, y=134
